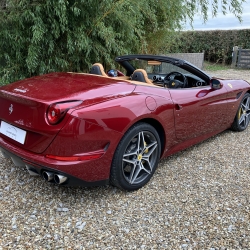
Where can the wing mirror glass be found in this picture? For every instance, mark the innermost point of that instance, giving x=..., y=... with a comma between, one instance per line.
x=216, y=84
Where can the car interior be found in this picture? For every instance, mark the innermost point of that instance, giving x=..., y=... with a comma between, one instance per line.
x=154, y=73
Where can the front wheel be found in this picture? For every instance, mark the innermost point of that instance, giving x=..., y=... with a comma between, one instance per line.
x=136, y=157
x=242, y=117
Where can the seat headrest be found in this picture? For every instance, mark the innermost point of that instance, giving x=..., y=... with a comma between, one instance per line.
x=97, y=69
x=141, y=76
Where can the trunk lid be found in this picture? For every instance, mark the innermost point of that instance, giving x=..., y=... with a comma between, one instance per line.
x=23, y=104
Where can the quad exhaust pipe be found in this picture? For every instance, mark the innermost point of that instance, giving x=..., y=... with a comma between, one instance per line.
x=48, y=176
x=59, y=179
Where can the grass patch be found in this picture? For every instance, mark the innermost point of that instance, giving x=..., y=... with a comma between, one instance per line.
x=215, y=66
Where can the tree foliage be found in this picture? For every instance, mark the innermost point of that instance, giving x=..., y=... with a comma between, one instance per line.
x=40, y=36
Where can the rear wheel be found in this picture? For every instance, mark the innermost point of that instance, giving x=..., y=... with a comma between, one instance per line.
x=242, y=117
x=136, y=157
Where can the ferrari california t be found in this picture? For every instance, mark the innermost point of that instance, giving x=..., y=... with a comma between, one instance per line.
x=114, y=126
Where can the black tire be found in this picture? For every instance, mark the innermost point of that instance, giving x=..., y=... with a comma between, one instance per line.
x=242, y=117
x=136, y=157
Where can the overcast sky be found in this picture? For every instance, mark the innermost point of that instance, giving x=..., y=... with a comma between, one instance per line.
x=220, y=22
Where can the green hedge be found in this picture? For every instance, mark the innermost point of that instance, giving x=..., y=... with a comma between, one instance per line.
x=217, y=44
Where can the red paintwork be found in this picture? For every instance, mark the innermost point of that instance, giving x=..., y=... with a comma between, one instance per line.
x=109, y=108
x=30, y=106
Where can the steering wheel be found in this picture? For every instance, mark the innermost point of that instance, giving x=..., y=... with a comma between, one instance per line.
x=171, y=82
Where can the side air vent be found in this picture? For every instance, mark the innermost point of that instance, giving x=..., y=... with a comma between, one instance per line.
x=238, y=95
x=198, y=84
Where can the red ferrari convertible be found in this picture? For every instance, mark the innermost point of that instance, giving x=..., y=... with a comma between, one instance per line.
x=113, y=127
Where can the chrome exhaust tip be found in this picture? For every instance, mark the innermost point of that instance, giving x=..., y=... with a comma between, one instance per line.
x=59, y=179
x=31, y=171
x=48, y=176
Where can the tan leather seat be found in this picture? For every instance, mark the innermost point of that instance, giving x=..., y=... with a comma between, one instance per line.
x=141, y=76
x=97, y=69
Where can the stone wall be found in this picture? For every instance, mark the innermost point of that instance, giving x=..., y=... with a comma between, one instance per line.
x=196, y=59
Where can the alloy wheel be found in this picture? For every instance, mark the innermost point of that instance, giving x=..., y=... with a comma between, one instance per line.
x=244, y=112
x=140, y=157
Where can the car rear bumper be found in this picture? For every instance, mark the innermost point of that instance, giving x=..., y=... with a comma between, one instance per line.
x=38, y=164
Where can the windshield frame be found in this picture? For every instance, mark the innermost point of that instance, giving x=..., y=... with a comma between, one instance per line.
x=125, y=62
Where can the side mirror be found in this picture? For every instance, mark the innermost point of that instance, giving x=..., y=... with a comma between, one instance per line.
x=216, y=84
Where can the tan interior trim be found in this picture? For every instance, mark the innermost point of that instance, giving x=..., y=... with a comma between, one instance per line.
x=145, y=75
x=148, y=81
x=121, y=77
x=154, y=63
x=101, y=68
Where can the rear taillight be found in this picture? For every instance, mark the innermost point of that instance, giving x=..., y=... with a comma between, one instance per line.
x=57, y=111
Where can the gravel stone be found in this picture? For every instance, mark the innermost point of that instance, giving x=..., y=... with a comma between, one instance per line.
x=197, y=199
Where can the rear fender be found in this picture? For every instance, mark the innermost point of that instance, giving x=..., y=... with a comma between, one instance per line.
x=122, y=113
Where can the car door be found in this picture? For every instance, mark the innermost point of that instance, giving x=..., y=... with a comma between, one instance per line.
x=199, y=111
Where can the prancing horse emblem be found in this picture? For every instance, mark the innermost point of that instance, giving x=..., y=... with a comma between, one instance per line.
x=11, y=108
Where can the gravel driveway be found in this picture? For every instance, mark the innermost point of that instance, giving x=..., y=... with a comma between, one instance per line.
x=197, y=199
x=232, y=74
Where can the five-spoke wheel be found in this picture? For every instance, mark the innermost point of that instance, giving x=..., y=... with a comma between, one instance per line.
x=136, y=157
x=242, y=117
